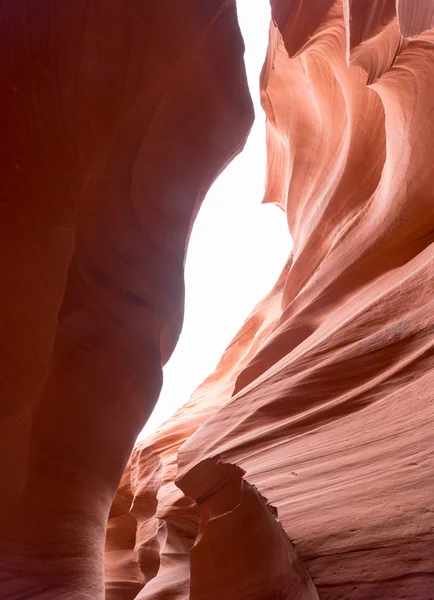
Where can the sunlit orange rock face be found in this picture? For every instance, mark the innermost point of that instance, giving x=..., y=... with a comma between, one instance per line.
x=322, y=406
x=116, y=116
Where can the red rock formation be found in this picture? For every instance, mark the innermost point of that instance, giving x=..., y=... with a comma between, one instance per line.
x=330, y=415
x=116, y=117
x=167, y=521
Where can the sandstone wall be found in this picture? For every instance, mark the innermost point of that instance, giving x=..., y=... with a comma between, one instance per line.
x=116, y=116
x=328, y=410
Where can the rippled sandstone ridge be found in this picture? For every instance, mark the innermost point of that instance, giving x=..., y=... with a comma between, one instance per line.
x=303, y=467
x=323, y=404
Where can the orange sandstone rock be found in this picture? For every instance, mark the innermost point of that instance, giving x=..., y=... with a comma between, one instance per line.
x=303, y=467
x=165, y=518
x=330, y=417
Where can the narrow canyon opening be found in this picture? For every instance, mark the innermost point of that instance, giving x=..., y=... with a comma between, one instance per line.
x=237, y=249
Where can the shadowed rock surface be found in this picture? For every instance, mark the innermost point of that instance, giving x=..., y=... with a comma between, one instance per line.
x=116, y=116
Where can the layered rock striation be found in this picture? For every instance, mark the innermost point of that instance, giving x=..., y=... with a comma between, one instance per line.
x=301, y=468
x=323, y=403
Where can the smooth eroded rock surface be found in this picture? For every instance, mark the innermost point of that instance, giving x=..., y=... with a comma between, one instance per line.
x=301, y=468
x=328, y=412
x=116, y=117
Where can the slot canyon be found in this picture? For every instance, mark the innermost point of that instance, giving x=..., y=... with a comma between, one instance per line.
x=302, y=468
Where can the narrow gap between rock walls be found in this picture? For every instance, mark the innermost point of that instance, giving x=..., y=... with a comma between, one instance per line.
x=237, y=249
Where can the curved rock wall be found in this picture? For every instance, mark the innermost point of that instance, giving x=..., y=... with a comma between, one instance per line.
x=303, y=467
x=329, y=412
x=116, y=116
x=148, y=492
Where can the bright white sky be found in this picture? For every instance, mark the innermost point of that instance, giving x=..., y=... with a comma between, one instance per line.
x=237, y=249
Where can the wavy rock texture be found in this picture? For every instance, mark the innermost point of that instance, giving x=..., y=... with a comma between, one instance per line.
x=148, y=493
x=156, y=553
x=329, y=415
x=116, y=116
